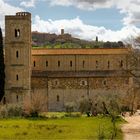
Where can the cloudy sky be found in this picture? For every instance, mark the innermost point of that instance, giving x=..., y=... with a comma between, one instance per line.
x=111, y=20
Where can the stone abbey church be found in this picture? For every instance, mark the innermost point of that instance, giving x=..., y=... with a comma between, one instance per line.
x=63, y=75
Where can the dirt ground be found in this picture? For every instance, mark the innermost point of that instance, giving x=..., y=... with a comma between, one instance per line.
x=131, y=129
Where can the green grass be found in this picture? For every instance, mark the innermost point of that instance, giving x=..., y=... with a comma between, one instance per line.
x=64, y=128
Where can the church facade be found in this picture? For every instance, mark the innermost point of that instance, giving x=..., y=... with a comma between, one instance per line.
x=62, y=75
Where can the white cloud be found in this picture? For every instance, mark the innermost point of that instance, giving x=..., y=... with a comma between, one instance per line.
x=6, y=9
x=28, y=3
x=77, y=28
x=83, y=4
x=129, y=7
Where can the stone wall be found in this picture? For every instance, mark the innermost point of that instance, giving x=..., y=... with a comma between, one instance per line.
x=61, y=91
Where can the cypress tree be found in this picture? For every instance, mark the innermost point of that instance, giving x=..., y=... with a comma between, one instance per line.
x=2, y=74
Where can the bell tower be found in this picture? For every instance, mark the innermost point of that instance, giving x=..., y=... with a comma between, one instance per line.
x=17, y=56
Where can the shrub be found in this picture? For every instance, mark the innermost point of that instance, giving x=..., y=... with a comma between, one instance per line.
x=69, y=107
x=11, y=110
x=34, y=104
x=85, y=106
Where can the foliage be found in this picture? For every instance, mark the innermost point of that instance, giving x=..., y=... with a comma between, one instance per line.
x=81, y=44
x=85, y=106
x=2, y=74
x=64, y=128
x=11, y=110
x=70, y=107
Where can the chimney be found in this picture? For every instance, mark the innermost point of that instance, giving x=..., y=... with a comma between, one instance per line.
x=62, y=31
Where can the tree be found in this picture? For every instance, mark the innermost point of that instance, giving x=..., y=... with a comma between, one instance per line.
x=132, y=97
x=2, y=74
x=85, y=106
x=34, y=104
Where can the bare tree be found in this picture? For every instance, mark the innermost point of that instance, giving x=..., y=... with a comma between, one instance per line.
x=132, y=97
x=34, y=104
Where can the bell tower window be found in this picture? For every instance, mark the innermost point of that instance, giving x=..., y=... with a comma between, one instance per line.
x=17, y=77
x=17, y=98
x=17, y=33
x=34, y=64
x=17, y=54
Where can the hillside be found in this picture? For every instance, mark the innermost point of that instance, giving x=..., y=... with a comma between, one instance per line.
x=65, y=40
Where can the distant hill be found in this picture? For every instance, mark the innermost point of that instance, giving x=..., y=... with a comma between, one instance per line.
x=65, y=40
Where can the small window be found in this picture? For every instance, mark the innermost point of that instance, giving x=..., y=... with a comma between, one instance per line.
x=56, y=82
x=17, y=98
x=108, y=64
x=104, y=83
x=17, y=77
x=83, y=83
x=96, y=64
x=46, y=63
x=17, y=54
x=34, y=64
x=17, y=33
x=57, y=98
x=70, y=63
x=58, y=63
x=121, y=63
x=83, y=64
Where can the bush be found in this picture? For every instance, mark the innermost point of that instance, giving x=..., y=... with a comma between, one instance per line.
x=69, y=107
x=85, y=106
x=34, y=104
x=11, y=110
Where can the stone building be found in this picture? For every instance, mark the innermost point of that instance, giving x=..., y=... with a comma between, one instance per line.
x=63, y=75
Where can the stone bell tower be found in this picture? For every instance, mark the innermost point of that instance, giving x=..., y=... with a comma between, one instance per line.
x=17, y=57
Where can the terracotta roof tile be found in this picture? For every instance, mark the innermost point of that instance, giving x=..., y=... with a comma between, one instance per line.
x=44, y=51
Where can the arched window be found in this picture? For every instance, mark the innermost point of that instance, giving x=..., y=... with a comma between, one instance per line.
x=17, y=54
x=34, y=64
x=83, y=83
x=70, y=63
x=46, y=63
x=17, y=77
x=121, y=63
x=57, y=98
x=17, y=33
x=108, y=65
x=17, y=98
x=83, y=63
x=104, y=82
x=58, y=63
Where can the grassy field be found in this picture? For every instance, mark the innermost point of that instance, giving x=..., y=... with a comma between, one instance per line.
x=63, y=128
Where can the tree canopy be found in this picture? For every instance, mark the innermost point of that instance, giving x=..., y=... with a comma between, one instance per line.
x=2, y=74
